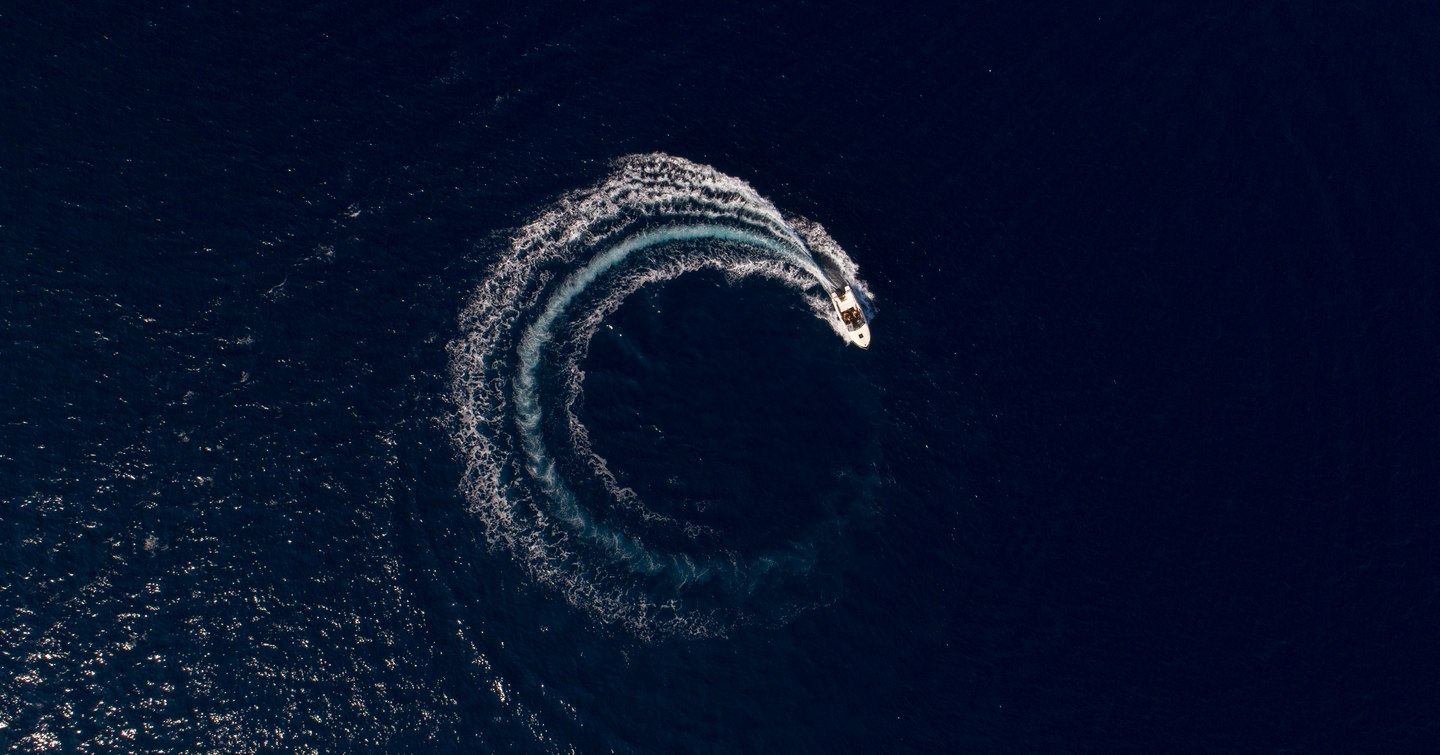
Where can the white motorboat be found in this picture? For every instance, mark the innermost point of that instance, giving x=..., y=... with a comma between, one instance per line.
x=857, y=329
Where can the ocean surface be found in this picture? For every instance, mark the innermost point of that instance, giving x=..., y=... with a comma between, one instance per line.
x=449, y=377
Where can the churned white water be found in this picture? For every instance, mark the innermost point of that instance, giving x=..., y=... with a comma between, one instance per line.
x=654, y=218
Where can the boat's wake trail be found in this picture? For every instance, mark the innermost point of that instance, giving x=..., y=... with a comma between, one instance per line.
x=539, y=490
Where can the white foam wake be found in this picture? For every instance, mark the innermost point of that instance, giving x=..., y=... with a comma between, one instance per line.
x=529, y=325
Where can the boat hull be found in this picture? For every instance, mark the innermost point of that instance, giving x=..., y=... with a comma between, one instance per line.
x=853, y=324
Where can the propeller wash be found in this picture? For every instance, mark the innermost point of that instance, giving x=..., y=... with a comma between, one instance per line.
x=539, y=491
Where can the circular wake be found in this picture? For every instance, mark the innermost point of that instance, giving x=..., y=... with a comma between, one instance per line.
x=531, y=477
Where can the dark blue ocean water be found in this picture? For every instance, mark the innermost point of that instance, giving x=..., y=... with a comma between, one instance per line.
x=1142, y=458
